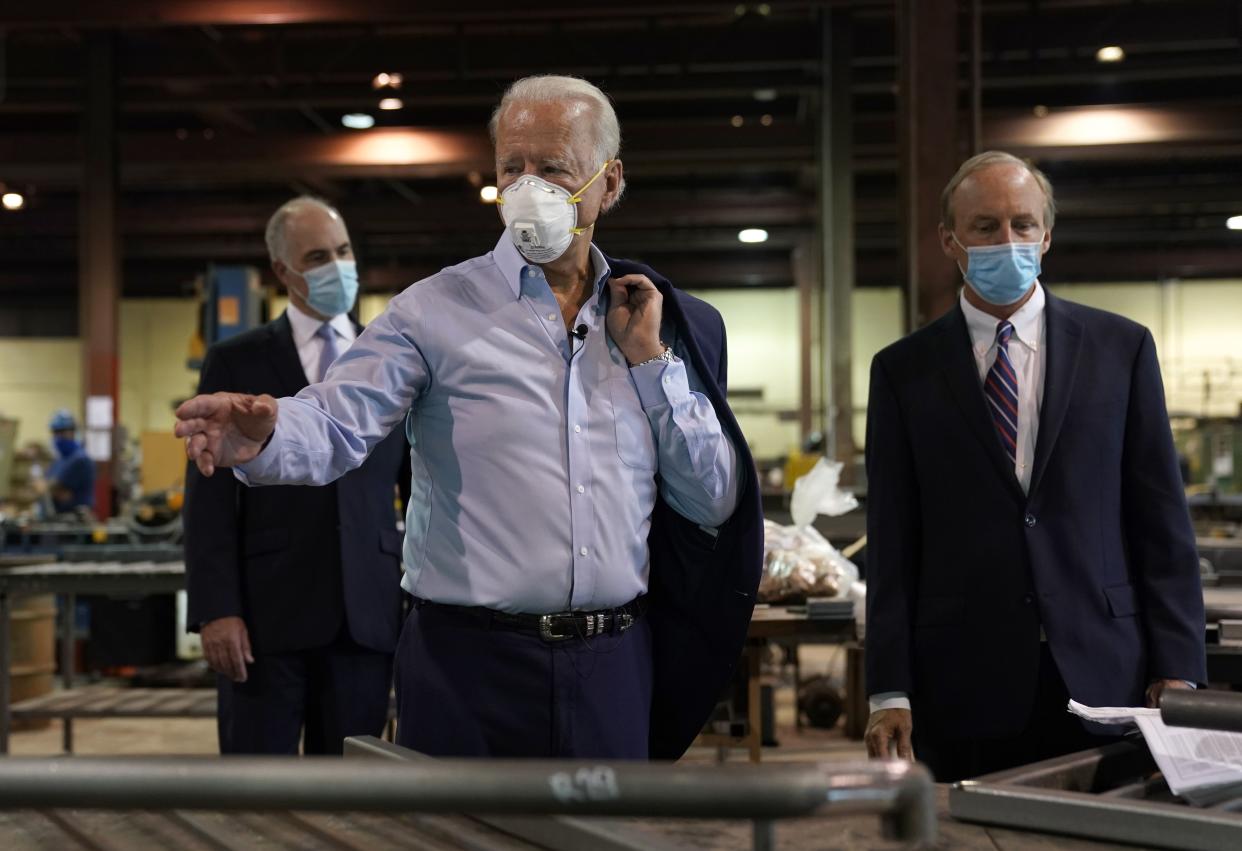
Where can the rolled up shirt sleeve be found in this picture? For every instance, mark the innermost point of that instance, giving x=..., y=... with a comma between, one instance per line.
x=697, y=461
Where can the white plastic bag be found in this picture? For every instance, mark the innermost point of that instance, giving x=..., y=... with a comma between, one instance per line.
x=817, y=493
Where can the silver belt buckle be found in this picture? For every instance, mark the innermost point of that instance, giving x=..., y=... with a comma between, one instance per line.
x=545, y=630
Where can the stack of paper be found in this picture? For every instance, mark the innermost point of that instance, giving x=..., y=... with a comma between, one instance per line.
x=1191, y=760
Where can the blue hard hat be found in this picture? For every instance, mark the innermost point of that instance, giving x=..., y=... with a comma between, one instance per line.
x=62, y=420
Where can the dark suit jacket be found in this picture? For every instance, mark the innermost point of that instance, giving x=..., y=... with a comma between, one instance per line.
x=703, y=585
x=293, y=561
x=963, y=567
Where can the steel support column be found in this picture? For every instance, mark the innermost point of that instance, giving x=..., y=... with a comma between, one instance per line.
x=929, y=150
x=99, y=272
x=836, y=232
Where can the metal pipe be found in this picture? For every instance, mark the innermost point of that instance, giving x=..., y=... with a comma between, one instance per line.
x=1208, y=710
x=478, y=786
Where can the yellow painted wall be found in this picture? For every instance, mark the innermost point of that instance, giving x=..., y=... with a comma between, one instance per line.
x=762, y=328
x=1197, y=327
x=38, y=376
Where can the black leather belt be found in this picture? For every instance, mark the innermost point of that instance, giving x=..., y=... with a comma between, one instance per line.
x=552, y=628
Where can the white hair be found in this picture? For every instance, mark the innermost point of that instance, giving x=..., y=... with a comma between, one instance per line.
x=985, y=160
x=278, y=224
x=549, y=88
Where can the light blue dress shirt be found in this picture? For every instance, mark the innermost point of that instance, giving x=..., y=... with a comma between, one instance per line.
x=536, y=457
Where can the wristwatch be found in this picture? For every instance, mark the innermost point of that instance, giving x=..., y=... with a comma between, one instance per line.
x=665, y=356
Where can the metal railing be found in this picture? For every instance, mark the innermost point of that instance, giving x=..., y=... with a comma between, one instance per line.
x=902, y=794
x=1206, y=709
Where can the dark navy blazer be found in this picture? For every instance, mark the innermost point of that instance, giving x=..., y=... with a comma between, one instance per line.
x=963, y=568
x=703, y=583
x=294, y=562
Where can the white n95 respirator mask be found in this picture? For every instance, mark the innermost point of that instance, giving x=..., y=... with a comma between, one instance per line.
x=541, y=217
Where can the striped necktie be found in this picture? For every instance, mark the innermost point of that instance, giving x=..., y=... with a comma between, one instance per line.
x=1001, y=390
x=331, y=348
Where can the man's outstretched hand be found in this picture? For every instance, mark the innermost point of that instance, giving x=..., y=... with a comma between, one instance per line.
x=224, y=429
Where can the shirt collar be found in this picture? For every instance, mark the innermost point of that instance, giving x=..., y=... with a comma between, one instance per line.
x=305, y=326
x=512, y=264
x=1027, y=321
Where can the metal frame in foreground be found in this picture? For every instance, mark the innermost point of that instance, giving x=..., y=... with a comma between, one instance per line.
x=902, y=794
x=1105, y=793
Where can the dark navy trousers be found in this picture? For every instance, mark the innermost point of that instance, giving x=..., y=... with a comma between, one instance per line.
x=467, y=687
x=329, y=692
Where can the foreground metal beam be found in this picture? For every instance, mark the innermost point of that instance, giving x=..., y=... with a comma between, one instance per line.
x=902, y=793
x=1207, y=710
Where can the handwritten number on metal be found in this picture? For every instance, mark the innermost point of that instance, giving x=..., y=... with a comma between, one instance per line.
x=585, y=784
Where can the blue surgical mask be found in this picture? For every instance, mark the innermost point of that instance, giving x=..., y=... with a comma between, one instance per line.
x=332, y=287
x=66, y=446
x=1002, y=274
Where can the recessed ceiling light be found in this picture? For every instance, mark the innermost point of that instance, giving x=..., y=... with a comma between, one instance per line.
x=357, y=120
x=13, y=200
x=1040, y=111
x=737, y=121
x=387, y=80
x=1233, y=222
x=1111, y=53
x=752, y=235
x=488, y=194
x=765, y=120
x=390, y=104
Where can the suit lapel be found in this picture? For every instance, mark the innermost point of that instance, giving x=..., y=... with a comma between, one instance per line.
x=285, y=357
x=1064, y=340
x=957, y=364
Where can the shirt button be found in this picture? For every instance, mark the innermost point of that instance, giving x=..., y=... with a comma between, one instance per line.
x=581, y=489
x=577, y=429
x=1030, y=521
x=582, y=551
x=551, y=317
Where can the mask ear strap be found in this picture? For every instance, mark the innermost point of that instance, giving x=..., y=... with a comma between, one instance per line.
x=577, y=196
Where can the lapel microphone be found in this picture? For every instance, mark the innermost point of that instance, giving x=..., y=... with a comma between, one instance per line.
x=580, y=332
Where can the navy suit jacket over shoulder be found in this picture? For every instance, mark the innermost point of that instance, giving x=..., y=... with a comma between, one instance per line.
x=964, y=568
x=703, y=582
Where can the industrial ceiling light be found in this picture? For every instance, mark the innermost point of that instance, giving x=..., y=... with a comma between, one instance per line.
x=13, y=200
x=390, y=104
x=752, y=235
x=1110, y=53
x=488, y=194
x=387, y=80
x=1233, y=222
x=357, y=120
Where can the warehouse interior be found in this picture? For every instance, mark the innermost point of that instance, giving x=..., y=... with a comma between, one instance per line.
x=784, y=163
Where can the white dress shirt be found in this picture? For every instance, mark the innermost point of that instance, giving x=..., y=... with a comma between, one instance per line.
x=310, y=346
x=1028, y=353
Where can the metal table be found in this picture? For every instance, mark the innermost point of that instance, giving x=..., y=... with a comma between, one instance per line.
x=785, y=626
x=70, y=579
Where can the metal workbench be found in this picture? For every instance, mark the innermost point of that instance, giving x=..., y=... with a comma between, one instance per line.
x=70, y=579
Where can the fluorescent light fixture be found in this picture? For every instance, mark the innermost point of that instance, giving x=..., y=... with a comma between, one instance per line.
x=389, y=104
x=357, y=120
x=1110, y=53
x=13, y=200
x=765, y=95
x=488, y=194
x=752, y=235
x=1233, y=222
